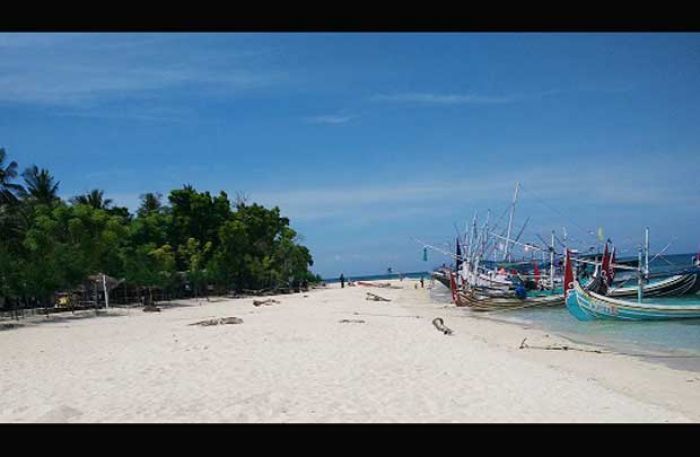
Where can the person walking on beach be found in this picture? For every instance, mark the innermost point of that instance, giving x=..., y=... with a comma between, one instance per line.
x=342, y=280
x=421, y=282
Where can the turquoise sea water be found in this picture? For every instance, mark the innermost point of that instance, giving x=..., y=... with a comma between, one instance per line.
x=673, y=343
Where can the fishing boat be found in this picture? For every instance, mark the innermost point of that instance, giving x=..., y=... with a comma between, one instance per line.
x=442, y=275
x=474, y=300
x=484, y=299
x=670, y=285
x=587, y=305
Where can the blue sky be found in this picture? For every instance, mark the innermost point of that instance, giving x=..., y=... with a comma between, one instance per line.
x=367, y=140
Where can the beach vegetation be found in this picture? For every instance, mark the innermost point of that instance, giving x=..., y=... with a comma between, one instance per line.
x=195, y=243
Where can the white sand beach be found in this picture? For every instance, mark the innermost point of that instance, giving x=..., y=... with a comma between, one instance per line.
x=296, y=362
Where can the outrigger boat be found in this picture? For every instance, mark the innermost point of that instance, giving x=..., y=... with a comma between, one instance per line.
x=587, y=305
x=481, y=299
x=681, y=283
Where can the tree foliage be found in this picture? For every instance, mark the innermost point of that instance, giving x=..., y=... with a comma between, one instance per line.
x=50, y=245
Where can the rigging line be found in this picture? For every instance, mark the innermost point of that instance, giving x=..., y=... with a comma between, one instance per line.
x=587, y=232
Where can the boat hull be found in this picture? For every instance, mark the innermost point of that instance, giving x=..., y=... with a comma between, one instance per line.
x=586, y=306
x=674, y=286
x=478, y=302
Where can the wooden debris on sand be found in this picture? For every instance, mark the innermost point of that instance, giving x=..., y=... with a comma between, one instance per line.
x=552, y=347
x=375, y=297
x=220, y=321
x=268, y=301
x=440, y=325
x=151, y=309
x=374, y=284
x=351, y=321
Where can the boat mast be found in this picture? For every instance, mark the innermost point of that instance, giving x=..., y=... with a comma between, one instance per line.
x=551, y=261
x=640, y=282
x=510, y=220
x=646, y=252
x=486, y=233
x=471, y=237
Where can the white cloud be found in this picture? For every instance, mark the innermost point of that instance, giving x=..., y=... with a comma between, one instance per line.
x=442, y=99
x=85, y=69
x=328, y=119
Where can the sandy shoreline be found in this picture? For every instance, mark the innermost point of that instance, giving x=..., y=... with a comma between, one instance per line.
x=295, y=362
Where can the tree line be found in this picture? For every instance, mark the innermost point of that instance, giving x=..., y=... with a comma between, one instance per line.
x=50, y=245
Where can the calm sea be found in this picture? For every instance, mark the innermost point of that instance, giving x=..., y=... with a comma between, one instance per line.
x=673, y=343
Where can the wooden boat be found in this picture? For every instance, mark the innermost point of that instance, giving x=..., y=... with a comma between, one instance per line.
x=482, y=299
x=479, y=302
x=586, y=305
x=673, y=286
x=443, y=276
x=681, y=283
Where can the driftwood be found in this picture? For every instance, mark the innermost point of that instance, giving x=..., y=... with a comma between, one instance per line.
x=557, y=348
x=351, y=321
x=220, y=321
x=375, y=297
x=374, y=284
x=151, y=309
x=268, y=301
x=440, y=325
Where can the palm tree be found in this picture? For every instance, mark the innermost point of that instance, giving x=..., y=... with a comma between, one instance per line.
x=150, y=203
x=94, y=198
x=41, y=187
x=8, y=173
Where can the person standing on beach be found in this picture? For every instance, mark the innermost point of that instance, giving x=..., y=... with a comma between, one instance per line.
x=421, y=282
x=342, y=280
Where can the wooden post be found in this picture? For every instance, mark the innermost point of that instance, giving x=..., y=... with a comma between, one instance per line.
x=104, y=287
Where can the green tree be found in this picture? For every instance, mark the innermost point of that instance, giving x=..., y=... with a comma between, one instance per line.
x=40, y=187
x=196, y=215
x=149, y=266
x=8, y=189
x=94, y=198
x=150, y=203
x=195, y=257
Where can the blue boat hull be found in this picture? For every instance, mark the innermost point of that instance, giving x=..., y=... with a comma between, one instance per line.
x=588, y=306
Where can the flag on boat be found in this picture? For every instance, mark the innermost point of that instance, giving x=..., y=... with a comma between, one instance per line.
x=568, y=273
x=459, y=257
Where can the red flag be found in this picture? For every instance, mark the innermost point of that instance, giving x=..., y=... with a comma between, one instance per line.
x=453, y=288
x=568, y=273
x=537, y=273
